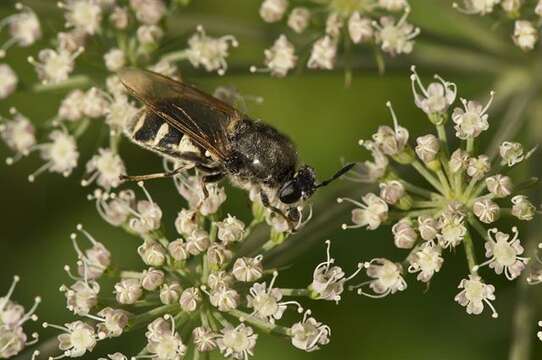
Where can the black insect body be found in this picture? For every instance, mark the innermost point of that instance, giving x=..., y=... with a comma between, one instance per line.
x=183, y=123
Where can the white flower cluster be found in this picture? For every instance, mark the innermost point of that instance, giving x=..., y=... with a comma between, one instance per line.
x=466, y=191
x=135, y=29
x=197, y=281
x=526, y=15
x=12, y=318
x=358, y=22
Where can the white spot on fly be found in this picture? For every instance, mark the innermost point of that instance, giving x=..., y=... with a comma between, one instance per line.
x=255, y=162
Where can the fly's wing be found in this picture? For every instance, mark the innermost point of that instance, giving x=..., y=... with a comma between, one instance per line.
x=203, y=118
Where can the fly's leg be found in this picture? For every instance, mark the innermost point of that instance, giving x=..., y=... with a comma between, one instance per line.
x=146, y=177
x=208, y=179
x=267, y=204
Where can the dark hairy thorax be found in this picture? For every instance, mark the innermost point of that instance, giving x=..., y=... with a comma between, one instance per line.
x=261, y=153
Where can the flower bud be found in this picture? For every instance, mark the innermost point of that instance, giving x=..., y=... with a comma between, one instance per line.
x=273, y=10
x=204, y=339
x=230, y=229
x=511, y=152
x=218, y=255
x=128, y=291
x=525, y=34
x=177, y=250
x=522, y=208
x=115, y=320
x=391, y=142
x=186, y=222
x=428, y=228
x=459, y=161
x=170, y=293
x=248, y=269
x=219, y=278
x=149, y=34
x=478, y=167
x=152, y=279
x=190, y=299
x=427, y=147
x=392, y=191
x=82, y=296
x=404, y=234
x=486, y=210
x=499, y=185
x=334, y=23
x=152, y=253
x=299, y=19
x=197, y=242
x=119, y=18
x=360, y=28
x=224, y=298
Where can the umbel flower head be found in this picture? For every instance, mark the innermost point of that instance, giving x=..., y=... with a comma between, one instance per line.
x=94, y=101
x=13, y=316
x=523, y=18
x=462, y=195
x=198, y=289
x=381, y=24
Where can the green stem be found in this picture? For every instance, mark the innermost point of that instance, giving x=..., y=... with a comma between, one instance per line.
x=150, y=315
x=441, y=131
x=470, y=145
x=76, y=81
x=427, y=176
x=295, y=292
x=444, y=181
x=418, y=190
x=175, y=56
x=259, y=323
x=469, y=252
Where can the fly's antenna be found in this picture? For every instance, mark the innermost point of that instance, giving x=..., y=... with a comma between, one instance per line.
x=337, y=175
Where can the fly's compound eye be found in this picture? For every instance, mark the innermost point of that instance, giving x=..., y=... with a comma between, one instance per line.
x=289, y=193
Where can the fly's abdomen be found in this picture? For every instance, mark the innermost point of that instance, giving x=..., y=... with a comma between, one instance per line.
x=152, y=132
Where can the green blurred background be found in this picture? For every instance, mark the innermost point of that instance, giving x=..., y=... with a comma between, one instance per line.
x=326, y=119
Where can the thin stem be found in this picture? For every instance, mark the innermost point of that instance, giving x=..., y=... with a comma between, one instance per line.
x=295, y=292
x=470, y=145
x=441, y=131
x=418, y=190
x=444, y=181
x=76, y=81
x=259, y=323
x=469, y=252
x=427, y=176
x=150, y=315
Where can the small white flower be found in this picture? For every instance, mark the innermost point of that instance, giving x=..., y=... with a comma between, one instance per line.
x=511, y=6
x=191, y=189
x=372, y=171
x=83, y=15
x=94, y=103
x=486, y=210
x=168, y=345
x=387, y=278
x=427, y=227
x=128, y=291
x=512, y=153
x=209, y=52
x=480, y=7
x=204, y=339
x=220, y=278
x=452, y=231
x=114, y=59
x=525, y=35
x=522, y=208
x=82, y=296
x=152, y=253
x=266, y=301
x=499, y=185
x=177, y=250
x=309, y=334
x=119, y=112
x=55, y=65
x=299, y=19
x=328, y=280
x=474, y=294
x=391, y=141
x=60, y=154
x=280, y=58
x=427, y=147
x=170, y=293
x=224, y=298
x=478, y=167
x=472, y=119
x=504, y=253
x=323, y=54
x=71, y=108
x=334, y=24
x=113, y=324
x=238, y=342
x=24, y=28
x=404, y=234
x=190, y=299
x=426, y=261
x=8, y=81
x=371, y=213
x=392, y=191
x=459, y=161
x=538, y=9
x=393, y=5
x=360, y=28
x=12, y=341
x=395, y=38
x=248, y=269
x=119, y=18
x=78, y=339
x=149, y=34
x=149, y=12
x=148, y=215
x=115, y=208
x=19, y=135
x=106, y=168
x=273, y=10
x=94, y=260
x=115, y=356
x=186, y=221
x=230, y=230
x=197, y=242
x=152, y=279
x=72, y=41
x=436, y=98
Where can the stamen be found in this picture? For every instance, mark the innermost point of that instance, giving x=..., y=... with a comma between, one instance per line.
x=272, y=282
x=393, y=115
x=6, y=298
x=492, y=96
